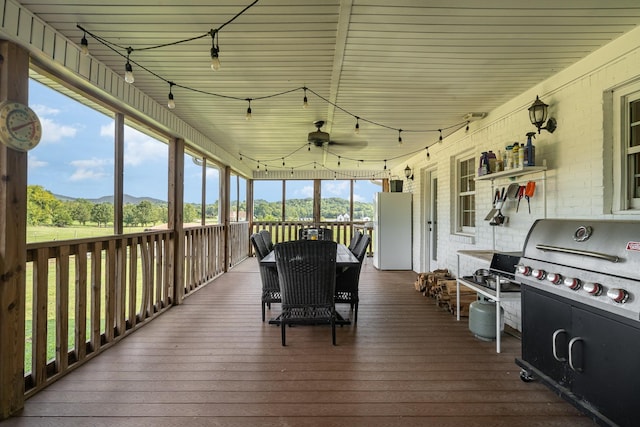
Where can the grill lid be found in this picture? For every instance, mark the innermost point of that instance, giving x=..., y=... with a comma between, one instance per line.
x=604, y=246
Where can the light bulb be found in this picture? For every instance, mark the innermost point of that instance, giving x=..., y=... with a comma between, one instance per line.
x=357, y=129
x=215, y=62
x=84, y=46
x=171, y=104
x=128, y=75
x=305, y=103
x=248, y=115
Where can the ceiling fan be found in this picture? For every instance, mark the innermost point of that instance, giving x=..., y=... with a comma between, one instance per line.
x=323, y=139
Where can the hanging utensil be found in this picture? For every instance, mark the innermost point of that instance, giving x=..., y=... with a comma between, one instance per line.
x=492, y=212
x=530, y=189
x=521, y=189
x=512, y=191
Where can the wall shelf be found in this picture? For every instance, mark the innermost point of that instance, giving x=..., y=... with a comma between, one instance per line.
x=511, y=173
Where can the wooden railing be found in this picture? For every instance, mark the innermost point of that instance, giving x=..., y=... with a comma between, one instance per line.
x=84, y=295
x=238, y=242
x=285, y=231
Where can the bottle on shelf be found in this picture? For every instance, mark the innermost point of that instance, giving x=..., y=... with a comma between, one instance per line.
x=516, y=155
x=508, y=157
x=499, y=162
x=491, y=161
x=530, y=151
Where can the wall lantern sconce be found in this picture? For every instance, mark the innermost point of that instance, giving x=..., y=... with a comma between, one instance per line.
x=408, y=173
x=538, y=115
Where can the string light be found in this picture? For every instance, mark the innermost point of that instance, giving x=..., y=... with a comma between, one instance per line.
x=215, y=50
x=248, y=115
x=258, y=168
x=84, y=44
x=467, y=128
x=399, y=136
x=440, y=139
x=309, y=147
x=266, y=170
x=283, y=161
x=171, y=103
x=338, y=161
x=385, y=165
x=357, y=129
x=305, y=101
x=291, y=171
x=428, y=155
x=128, y=70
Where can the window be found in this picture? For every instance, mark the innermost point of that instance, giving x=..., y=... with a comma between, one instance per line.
x=267, y=200
x=466, y=198
x=626, y=141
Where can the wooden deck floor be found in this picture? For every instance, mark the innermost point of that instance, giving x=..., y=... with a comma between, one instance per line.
x=212, y=362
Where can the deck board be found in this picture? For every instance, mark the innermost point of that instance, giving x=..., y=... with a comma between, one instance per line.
x=213, y=362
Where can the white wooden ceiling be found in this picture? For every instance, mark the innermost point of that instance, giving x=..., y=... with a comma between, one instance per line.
x=416, y=65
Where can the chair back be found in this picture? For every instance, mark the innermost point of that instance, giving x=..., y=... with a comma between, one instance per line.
x=325, y=233
x=361, y=248
x=266, y=236
x=307, y=273
x=258, y=245
x=354, y=240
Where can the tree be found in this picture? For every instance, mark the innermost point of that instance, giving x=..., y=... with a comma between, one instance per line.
x=80, y=210
x=61, y=217
x=145, y=213
x=190, y=213
x=102, y=213
x=40, y=205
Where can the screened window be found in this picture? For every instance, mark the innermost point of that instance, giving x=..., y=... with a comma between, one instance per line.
x=466, y=206
x=267, y=200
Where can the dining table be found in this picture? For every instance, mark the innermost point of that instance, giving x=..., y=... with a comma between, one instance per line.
x=344, y=258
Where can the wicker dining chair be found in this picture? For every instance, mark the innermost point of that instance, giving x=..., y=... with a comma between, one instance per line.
x=266, y=236
x=268, y=275
x=354, y=240
x=348, y=280
x=307, y=273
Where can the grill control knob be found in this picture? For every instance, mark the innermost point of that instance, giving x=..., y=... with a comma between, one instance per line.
x=594, y=289
x=618, y=295
x=572, y=283
x=525, y=270
x=538, y=274
x=554, y=278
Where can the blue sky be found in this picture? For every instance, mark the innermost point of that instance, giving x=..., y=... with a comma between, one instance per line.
x=76, y=152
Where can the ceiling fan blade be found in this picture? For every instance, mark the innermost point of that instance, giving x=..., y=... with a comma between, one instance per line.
x=324, y=154
x=355, y=144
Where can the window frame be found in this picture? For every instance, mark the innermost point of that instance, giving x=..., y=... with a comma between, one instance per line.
x=461, y=194
x=622, y=200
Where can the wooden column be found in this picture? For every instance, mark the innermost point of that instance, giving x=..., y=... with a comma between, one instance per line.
x=317, y=194
x=14, y=86
x=225, y=212
x=118, y=174
x=176, y=217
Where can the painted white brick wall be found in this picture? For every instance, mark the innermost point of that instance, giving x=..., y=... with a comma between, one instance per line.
x=576, y=184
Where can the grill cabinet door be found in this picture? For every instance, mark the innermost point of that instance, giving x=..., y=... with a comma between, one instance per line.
x=609, y=356
x=542, y=317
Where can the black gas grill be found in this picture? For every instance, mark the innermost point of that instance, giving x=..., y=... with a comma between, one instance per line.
x=580, y=283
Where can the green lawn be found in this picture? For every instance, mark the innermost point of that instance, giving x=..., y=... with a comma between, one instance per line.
x=43, y=233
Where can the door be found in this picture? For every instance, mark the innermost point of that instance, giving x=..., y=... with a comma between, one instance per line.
x=430, y=230
x=546, y=331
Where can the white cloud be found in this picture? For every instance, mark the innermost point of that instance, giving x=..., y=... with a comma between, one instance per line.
x=34, y=163
x=358, y=198
x=335, y=189
x=306, y=191
x=43, y=110
x=138, y=147
x=90, y=169
x=54, y=132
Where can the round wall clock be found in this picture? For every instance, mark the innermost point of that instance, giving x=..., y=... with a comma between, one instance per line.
x=20, y=127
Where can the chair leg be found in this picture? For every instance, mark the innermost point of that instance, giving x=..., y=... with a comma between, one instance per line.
x=263, y=310
x=355, y=313
x=333, y=330
x=282, y=329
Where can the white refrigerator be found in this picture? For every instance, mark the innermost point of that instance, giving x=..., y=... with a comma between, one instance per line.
x=392, y=231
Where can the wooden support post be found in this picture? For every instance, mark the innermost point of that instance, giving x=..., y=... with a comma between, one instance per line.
x=14, y=85
x=176, y=217
x=225, y=213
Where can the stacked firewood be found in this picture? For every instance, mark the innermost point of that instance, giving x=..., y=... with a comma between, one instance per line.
x=441, y=286
x=426, y=282
x=446, y=297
